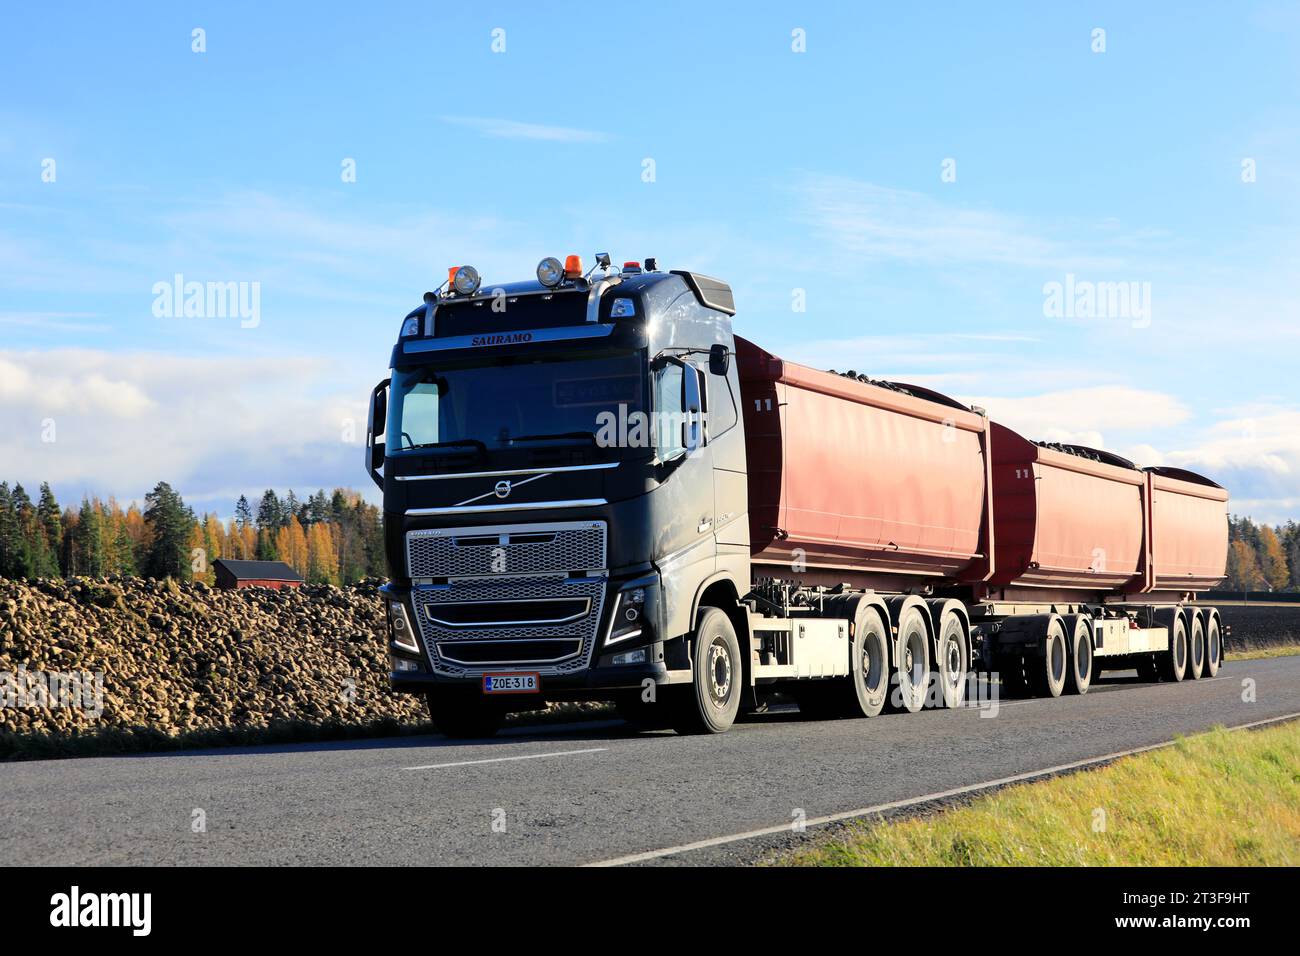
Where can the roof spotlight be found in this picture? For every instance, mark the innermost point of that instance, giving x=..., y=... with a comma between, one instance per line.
x=549, y=272
x=466, y=281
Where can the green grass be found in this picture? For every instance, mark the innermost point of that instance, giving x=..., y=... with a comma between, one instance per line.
x=1216, y=799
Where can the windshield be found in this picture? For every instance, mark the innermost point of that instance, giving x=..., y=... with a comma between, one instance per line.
x=514, y=400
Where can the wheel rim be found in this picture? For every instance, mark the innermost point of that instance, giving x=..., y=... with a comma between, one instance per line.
x=1180, y=649
x=719, y=673
x=1083, y=656
x=914, y=659
x=1212, y=645
x=954, y=661
x=1057, y=653
x=872, y=664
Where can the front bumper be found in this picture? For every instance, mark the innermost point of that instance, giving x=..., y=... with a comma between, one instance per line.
x=591, y=680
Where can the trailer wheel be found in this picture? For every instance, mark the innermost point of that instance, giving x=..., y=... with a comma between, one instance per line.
x=952, y=661
x=1078, y=677
x=1047, y=675
x=710, y=703
x=462, y=716
x=1213, y=648
x=871, y=663
x=1196, y=650
x=912, y=669
x=1173, y=662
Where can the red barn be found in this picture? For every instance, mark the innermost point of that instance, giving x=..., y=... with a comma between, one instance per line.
x=255, y=574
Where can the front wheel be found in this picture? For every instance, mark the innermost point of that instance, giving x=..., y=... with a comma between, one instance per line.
x=709, y=705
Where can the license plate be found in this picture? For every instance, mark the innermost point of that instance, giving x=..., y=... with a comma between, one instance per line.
x=512, y=683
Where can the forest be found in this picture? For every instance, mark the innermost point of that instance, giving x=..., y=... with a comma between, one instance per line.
x=328, y=538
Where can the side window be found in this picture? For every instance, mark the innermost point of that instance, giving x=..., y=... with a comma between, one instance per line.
x=722, y=405
x=668, y=411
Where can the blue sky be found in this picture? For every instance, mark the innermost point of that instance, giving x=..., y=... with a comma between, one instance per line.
x=820, y=171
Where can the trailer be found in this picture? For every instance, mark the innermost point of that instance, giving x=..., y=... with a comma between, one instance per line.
x=593, y=489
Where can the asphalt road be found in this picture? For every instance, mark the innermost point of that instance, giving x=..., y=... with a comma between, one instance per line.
x=582, y=793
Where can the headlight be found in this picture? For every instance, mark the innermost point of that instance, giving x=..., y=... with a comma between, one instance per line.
x=399, y=626
x=633, y=612
x=411, y=327
x=549, y=272
x=467, y=280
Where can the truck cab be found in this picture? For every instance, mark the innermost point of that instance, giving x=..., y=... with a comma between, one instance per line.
x=562, y=463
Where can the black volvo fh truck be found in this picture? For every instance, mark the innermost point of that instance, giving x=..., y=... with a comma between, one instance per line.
x=563, y=472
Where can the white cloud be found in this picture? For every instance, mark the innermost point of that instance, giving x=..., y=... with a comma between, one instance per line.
x=513, y=129
x=1083, y=415
x=124, y=421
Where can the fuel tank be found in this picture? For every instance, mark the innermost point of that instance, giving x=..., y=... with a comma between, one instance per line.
x=850, y=476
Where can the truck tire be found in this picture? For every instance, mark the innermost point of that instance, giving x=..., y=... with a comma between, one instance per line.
x=1173, y=662
x=463, y=717
x=870, y=663
x=952, y=661
x=708, y=705
x=1047, y=673
x=1078, y=676
x=1213, y=647
x=1196, y=649
x=911, y=672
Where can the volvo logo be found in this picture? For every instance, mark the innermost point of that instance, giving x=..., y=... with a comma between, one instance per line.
x=502, y=489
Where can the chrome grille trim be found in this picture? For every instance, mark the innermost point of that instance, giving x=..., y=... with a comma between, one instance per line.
x=544, y=563
x=452, y=552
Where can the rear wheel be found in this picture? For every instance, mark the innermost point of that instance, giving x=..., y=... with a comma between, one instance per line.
x=1047, y=674
x=710, y=703
x=462, y=716
x=1078, y=678
x=912, y=669
x=952, y=661
x=1196, y=649
x=870, y=663
x=1213, y=647
x=1173, y=662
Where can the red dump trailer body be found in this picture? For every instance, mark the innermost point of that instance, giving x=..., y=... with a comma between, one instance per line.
x=1036, y=559
x=859, y=478
x=897, y=486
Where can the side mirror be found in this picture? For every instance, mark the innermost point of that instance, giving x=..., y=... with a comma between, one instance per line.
x=719, y=359
x=375, y=426
x=692, y=430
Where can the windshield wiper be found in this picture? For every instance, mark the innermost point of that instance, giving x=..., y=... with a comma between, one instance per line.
x=454, y=443
x=558, y=435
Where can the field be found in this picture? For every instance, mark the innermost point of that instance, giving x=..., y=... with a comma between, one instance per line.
x=1216, y=799
x=1259, y=626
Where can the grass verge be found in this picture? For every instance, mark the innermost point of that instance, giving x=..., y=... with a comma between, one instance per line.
x=1259, y=653
x=1216, y=799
